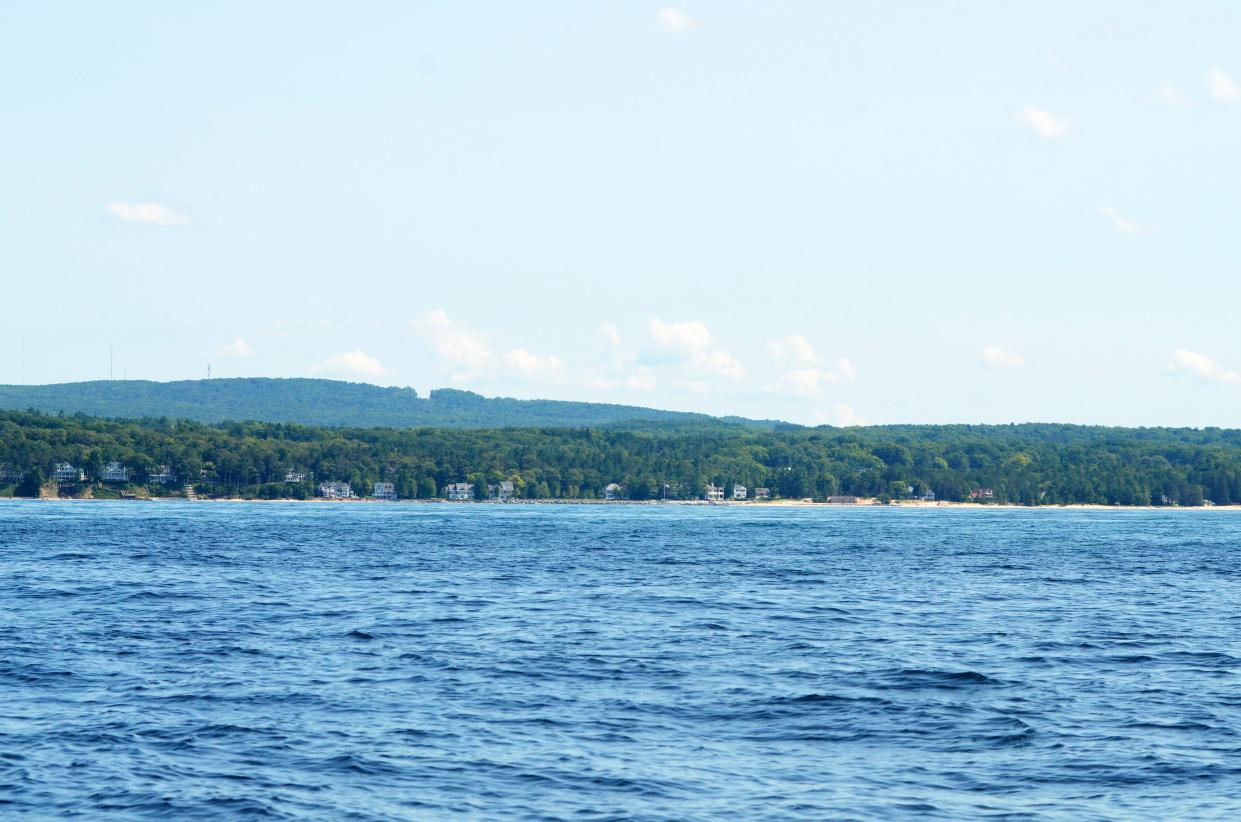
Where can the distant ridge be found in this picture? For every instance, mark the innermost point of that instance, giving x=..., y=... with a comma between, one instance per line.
x=324, y=402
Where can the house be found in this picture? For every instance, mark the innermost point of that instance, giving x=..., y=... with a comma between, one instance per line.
x=292, y=476
x=163, y=475
x=64, y=472
x=114, y=472
x=739, y=492
x=11, y=474
x=982, y=493
x=843, y=500
x=614, y=490
x=714, y=493
x=762, y=493
x=459, y=491
x=502, y=492
x=384, y=490
x=929, y=496
x=335, y=489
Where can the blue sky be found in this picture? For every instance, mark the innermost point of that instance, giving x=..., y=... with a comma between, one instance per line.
x=823, y=212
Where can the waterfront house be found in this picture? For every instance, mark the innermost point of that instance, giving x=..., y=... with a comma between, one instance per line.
x=459, y=491
x=292, y=476
x=335, y=489
x=502, y=492
x=762, y=493
x=982, y=494
x=714, y=493
x=929, y=496
x=843, y=500
x=739, y=492
x=613, y=491
x=64, y=472
x=163, y=475
x=114, y=472
x=384, y=491
x=11, y=474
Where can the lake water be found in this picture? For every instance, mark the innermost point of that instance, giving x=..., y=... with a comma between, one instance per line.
x=297, y=661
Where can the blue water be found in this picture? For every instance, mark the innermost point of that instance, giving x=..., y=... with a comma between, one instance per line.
x=297, y=661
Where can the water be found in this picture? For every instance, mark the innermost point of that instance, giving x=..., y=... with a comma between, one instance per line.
x=610, y=662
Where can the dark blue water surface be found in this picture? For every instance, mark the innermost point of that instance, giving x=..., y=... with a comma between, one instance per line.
x=300, y=661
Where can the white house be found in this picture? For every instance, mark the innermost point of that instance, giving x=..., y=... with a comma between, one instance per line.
x=613, y=491
x=164, y=475
x=739, y=492
x=335, y=490
x=762, y=493
x=64, y=472
x=459, y=491
x=714, y=493
x=294, y=476
x=502, y=492
x=384, y=490
x=114, y=472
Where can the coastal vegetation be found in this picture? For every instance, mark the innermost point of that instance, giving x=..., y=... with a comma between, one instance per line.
x=1024, y=464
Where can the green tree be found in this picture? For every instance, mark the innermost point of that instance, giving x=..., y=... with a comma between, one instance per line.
x=31, y=484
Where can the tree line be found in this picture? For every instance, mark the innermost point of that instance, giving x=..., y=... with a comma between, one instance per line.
x=1026, y=464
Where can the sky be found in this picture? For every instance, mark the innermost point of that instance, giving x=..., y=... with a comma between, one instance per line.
x=822, y=212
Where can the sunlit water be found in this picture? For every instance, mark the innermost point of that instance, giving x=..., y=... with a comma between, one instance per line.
x=611, y=662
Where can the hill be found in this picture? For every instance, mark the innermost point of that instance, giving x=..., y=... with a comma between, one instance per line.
x=320, y=402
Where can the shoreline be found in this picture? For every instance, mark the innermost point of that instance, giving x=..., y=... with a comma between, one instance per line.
x=865, y=504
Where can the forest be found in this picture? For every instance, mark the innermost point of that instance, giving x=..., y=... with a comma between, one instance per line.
x=316, y=402
x=1033, y=464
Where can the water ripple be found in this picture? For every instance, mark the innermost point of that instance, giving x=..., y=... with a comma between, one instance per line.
x=299, y=662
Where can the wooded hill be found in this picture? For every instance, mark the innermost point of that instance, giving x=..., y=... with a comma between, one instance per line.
x=316, y=402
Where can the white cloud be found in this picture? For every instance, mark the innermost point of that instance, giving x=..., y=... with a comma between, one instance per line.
x=237, y=348
x=793, y=350
x=351, y=364
x=152, y=213
x=1172, y=97
x=455, y=345
x=674, y=21
x=610, y=331
x=1123, y=225
x=721, y=364
x=533, y=366
x=691, y=335
x=805, y=373
x=802, y=382
x=809, y=382
x=1201, y=366
x=1222, y=87
x=842, y=414
x=689, y=344
x=640, y=380
x=998, y=356
x=468, y=351
x=1044, y=123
